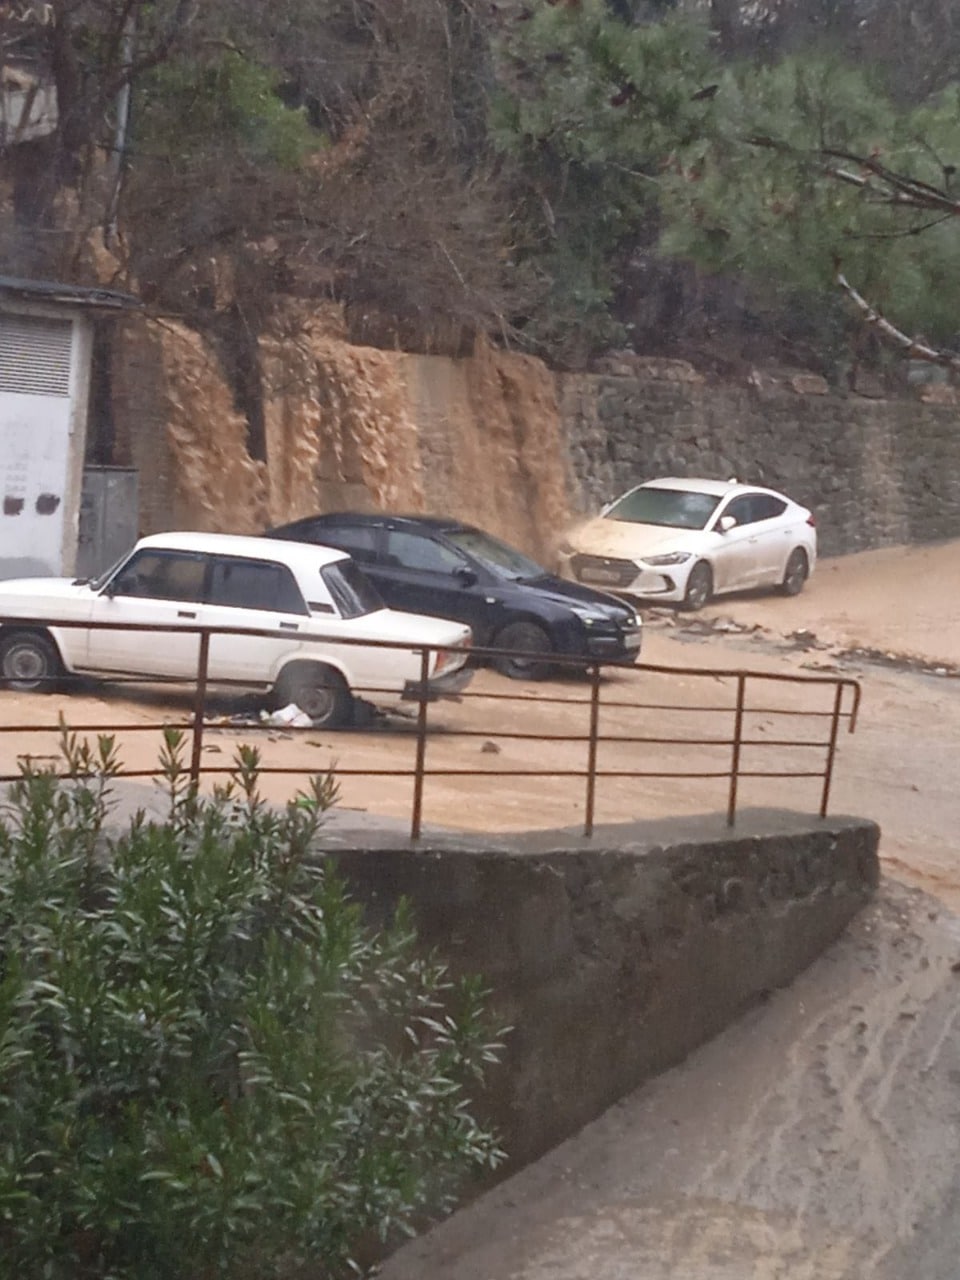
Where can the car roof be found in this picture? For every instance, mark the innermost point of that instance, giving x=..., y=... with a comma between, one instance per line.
x=716, y=488
x=438, y=524
x=298, y=555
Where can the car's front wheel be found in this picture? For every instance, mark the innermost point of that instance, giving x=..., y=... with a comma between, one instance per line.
x=796, y=573
x=319, y=691
x=699, y=587
x=29, y=661
x=531, y=642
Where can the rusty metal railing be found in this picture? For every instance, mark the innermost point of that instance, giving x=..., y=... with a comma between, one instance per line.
x=843, y=710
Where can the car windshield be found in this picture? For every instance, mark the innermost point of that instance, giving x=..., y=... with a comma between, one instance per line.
x=495, y=555
x=352, y=591
x=674, y=508
x=97, y=584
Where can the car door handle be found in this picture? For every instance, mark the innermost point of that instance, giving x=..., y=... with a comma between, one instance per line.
x=289, y=626
x=185, y=613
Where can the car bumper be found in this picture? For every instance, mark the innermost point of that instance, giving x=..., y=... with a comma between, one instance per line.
x=626, y=578
x=616, y=648
x=445, y=685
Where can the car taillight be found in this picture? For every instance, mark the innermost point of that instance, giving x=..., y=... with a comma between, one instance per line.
x=812, y=520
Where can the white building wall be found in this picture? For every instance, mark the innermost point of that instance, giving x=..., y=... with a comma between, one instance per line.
x=44, y=381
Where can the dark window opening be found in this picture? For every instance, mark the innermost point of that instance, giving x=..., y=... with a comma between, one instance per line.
x=413, y=551
x=254, y=584
x=360, y=541
x=352, y=591
x=162, y=575
x=101, y=426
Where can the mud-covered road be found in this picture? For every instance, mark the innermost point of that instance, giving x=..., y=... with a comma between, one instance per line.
x=819, y=1137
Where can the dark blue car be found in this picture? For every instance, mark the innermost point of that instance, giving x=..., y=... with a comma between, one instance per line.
x=451, y=570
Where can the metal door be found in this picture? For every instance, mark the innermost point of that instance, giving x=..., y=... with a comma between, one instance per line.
x=109, y=518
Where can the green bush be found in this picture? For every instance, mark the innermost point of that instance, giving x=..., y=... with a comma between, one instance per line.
x=209, y=1066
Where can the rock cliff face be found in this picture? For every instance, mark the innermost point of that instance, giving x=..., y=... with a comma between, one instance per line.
x=345, y=427
x=499, y=440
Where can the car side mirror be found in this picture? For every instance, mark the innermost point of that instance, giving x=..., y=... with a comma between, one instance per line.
x=466, y=577
x=726, y=523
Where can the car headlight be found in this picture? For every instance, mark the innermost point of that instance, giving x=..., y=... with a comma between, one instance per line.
x=566, y=548
x=672, y=557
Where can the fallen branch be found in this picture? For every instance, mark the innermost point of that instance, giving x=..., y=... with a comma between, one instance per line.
x=915, y=349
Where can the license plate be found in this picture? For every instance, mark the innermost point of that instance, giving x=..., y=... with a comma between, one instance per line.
x=600, y=575
x=632, y=641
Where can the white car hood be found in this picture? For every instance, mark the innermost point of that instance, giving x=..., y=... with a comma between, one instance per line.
x=27, y=589
x=625, y=539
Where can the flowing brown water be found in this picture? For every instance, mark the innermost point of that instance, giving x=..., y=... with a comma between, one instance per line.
x=347, y=426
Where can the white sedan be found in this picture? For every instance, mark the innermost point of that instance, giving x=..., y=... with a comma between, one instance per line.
x=688, y=540
x=320, y=613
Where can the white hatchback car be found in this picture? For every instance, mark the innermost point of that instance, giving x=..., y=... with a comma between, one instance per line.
x=290, y=589
x=688, y=540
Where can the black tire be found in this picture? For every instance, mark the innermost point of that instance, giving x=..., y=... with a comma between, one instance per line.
x=796, y=573
x=319, y=691
x=530, y=638
x=29, y=662
x=699, y=587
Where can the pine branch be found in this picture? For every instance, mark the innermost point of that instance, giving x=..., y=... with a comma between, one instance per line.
x=874, y=178
x=914, y=348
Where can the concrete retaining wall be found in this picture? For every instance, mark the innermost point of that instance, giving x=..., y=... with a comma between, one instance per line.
x=613, y=958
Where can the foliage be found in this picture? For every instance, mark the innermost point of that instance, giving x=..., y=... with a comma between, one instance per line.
x=188, y=108
x=589, y=112
x=544, y=172
x=208, y=1065
x=774, y=191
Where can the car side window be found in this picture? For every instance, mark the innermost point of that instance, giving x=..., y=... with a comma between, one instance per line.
x=161, y=575
x=741, y=509
x=767, y=507
x=414, y=551
x=360, y=540
x=254, y=584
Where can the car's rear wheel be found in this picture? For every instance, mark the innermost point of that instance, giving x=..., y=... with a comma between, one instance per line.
x=533, y=642
x=29, y=661
x=796, y=573
x=319, y=691
x=699, y=587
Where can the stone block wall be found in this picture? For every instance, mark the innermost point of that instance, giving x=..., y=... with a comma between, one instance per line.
x=875, y=472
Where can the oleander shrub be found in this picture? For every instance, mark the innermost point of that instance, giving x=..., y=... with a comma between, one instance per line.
x=209, y=1065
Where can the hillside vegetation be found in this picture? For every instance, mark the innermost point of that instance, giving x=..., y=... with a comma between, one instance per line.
x=714, y=179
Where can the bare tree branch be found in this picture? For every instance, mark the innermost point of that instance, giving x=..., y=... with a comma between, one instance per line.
x=914, y=348
x=889, y=186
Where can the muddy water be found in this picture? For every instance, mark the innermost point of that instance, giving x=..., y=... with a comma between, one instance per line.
x=348, y=426
x=816, y=1139
x=212, y=476
x=489, y=436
